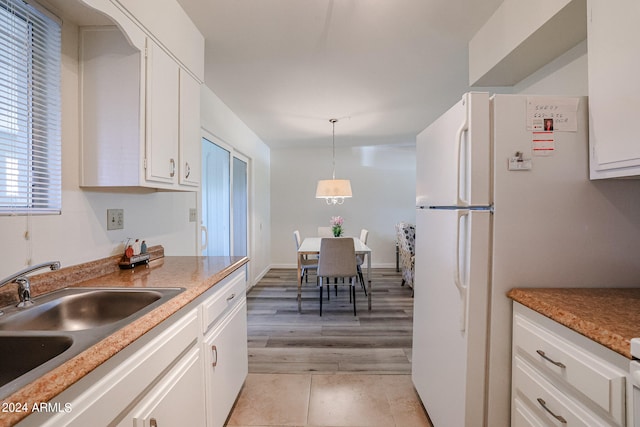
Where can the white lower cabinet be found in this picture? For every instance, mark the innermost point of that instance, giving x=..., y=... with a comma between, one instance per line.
x=226, y=359
x=560, y=377
x=226, y=364
x=167, y=377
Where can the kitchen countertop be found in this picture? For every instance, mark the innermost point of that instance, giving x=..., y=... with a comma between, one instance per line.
x=610, y=317
x=195, y=274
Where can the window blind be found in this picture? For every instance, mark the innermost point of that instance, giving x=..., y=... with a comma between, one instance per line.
x=30, y=110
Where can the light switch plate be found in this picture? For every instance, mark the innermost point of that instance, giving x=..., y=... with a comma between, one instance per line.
x=193, y=214
x=115, y=219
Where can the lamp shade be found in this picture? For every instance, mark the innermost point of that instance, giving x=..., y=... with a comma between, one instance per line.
x=330, y=188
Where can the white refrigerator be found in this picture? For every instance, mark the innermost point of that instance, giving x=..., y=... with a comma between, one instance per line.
x=504, y=203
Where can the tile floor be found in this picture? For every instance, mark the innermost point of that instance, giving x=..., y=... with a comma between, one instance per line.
x=336, y=400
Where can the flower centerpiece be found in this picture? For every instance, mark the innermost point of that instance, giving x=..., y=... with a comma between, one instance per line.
x=336, y=225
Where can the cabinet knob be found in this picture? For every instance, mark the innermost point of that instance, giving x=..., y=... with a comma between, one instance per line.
x=153, y=422
x=173, y=168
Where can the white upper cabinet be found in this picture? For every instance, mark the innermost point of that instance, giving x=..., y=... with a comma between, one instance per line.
x=614, y=88
x=162, y=112
x=140, y=101
x=189, y=130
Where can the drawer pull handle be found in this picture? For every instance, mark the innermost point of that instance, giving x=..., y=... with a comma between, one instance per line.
x=557, y=417
x=230, y=297
x=173, y=167
x=153, y=422
x=545, y=357
x=214, y=350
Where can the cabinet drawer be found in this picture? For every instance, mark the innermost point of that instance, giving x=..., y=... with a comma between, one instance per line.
x=545, y=402
x=573, y=366
x=223, y=299
x=523, y=416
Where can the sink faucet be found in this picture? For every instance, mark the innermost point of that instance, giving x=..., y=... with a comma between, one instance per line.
x=24, y=286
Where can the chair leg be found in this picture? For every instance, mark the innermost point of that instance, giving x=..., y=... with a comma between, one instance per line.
x=353, y=289
x=320, y=283
x=361, y=277
x=336, y=287
x=328, y=293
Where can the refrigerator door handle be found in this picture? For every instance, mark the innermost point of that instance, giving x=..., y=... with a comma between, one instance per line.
x=461, y=130
x=460, y=285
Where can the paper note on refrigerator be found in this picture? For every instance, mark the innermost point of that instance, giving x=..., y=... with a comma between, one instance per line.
x=543, y=143
x=552, y=113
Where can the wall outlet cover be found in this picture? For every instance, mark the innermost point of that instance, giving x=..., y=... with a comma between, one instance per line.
x=115, y=219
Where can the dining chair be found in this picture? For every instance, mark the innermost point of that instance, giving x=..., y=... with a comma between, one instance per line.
x=306, y=263
x=337, y=260
x=406, y=236
x=325, y=232
x=360, y=258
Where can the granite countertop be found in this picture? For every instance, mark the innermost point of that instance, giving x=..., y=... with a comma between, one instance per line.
x=195, y=274
x=610, y=317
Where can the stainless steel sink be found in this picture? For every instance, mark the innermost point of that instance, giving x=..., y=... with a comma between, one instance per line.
x=75, y=309
x=23, y=353
x=64, y=323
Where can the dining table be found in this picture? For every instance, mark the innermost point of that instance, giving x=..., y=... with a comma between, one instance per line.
x=311, y=246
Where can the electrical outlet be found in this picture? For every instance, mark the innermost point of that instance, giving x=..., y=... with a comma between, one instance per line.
x=115, y=219
x=193, y=215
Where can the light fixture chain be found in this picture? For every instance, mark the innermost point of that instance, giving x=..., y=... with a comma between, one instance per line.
x=333, y=122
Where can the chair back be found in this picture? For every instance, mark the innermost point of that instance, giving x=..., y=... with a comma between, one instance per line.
x=337, y=257
x=296, y=236
x=406, y=235
x=364, y=235
x=325, y=232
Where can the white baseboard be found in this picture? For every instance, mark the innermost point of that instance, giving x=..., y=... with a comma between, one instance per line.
x=260, y=276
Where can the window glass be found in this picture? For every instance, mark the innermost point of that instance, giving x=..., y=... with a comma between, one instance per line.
x=30, y=148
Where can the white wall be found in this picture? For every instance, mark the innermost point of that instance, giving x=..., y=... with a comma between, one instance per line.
x=79, y=234
x=383, y=180
x=220, y=122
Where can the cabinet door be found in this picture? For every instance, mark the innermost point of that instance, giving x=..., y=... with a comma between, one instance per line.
x=162, y=115
x=614, y=88
x=226, y=363
x=189, y=130
x=177, y=400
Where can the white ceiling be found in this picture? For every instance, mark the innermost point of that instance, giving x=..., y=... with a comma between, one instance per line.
x=384, y=68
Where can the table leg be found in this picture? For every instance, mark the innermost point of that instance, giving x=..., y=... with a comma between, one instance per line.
x=369, y=278
x=299, y=283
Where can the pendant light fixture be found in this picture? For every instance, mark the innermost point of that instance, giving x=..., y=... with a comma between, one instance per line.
x=334, y=191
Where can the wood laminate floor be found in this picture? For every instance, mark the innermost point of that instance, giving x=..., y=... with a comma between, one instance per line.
x=281, y=340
